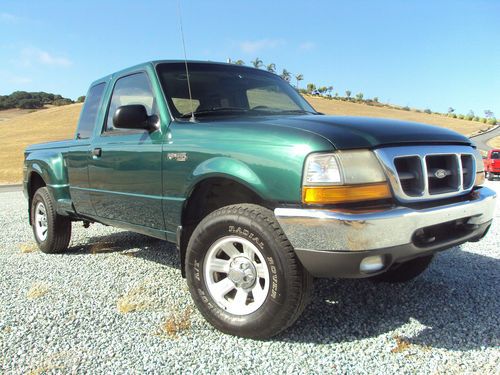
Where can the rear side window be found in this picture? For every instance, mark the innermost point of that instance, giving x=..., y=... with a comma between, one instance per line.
x=133, y=89
x=495, y=155
x=89, y=112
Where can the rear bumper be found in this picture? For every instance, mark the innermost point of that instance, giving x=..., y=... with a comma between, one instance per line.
x=333, y=244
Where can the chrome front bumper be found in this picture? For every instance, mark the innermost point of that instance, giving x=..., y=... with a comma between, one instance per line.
x=321, y=231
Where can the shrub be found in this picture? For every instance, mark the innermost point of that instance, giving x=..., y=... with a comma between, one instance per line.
x=30, y=104
x=492, y=121
x=484, y=120
x=468, y=117
x=461, y=117
x=476, y=118
x=428, y=111
x=80, y=99
x=405, y=108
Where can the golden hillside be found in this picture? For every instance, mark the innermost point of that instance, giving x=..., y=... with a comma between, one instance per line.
x=57, y=123
x=52, y=124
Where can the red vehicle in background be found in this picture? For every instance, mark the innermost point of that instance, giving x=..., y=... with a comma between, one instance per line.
x=492, y=164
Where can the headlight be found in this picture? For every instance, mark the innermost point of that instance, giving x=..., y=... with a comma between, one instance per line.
x=479, y=168
x=343, y=176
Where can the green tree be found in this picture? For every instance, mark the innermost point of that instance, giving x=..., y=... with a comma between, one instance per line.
x=299, y=77
x=286, y=75
x=271, y=68
x=239, y=62
x=257, y=63
x=330, y=89
x=348, y=94
x=359, y=96
x=375, y=99
x=311, y=87
x=80, y=99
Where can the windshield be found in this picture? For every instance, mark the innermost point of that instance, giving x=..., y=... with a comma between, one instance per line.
x=222, y=90
x=495, y=155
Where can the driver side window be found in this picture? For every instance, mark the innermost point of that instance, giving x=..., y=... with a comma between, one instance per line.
x=133, y=89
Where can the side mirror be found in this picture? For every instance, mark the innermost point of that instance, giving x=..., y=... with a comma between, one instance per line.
x=134, y=116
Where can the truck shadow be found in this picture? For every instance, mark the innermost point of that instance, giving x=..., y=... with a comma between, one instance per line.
x=453, y=301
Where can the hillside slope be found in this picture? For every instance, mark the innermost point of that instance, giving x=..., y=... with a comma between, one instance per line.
x=338, y=107
x=45, y=125
x=59, y=123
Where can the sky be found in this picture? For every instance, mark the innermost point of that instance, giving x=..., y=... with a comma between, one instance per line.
x=423, y=54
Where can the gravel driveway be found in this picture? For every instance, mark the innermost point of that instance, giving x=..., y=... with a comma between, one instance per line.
x=116, y=302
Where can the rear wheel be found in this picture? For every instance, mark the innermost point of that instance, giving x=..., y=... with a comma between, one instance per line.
x=243, y=273
x=489, y=176
x=52, y=231
x=406, y=271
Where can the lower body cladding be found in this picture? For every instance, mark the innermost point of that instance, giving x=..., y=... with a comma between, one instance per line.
x=343, y=244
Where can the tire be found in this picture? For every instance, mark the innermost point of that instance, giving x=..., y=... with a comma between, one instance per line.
x=233, y=246
x=52, y=231
x=402, y=272
x=489, y=176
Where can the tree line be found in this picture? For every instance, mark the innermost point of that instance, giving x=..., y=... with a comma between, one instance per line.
x=33, y=100
x=327, y=92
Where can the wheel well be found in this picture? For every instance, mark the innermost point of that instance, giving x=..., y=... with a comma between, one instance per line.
x=208, y=196
x=35, y=182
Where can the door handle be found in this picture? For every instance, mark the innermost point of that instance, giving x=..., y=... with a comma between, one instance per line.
x=97, y=152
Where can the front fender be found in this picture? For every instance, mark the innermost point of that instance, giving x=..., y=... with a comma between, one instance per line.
x=229, y=168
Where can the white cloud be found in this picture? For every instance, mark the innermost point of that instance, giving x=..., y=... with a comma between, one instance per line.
x=307, y=46
x=8, y=18
x=253, y=46
x=31, y=56
x=17, y=80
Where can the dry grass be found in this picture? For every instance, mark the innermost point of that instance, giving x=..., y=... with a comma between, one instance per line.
x=402, y=344
x=495, y=142
x=338, y=107
x=28, y=247
x=37, y=290
x=8, y=114
x=45, y=125
x=102, y=247
x=175, y=323
x=136, y=299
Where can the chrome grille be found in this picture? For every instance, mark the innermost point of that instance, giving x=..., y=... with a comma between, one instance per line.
x=428, y=172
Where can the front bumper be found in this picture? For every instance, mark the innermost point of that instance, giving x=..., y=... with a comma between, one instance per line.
x=332, y=243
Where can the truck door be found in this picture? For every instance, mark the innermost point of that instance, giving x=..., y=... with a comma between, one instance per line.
x=77, y=158
x=125, y=166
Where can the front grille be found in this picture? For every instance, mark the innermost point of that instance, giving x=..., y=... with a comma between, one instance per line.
x=428, y=172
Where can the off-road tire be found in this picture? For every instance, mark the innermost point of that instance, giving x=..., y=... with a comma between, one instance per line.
x=58, y=227
x=290, y=284
x=402, y=272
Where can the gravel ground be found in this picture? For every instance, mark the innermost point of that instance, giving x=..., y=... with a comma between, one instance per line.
x=116, y=303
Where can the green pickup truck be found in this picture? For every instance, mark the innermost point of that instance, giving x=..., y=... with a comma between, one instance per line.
x=259, y=192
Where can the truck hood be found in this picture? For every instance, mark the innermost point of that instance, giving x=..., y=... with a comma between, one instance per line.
x=347, y=132
x=350, y=132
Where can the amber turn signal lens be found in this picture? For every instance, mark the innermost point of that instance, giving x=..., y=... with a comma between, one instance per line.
x=479, y=179
x=345, y=193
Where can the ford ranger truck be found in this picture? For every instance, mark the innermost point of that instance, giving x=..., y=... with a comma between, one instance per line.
x=492, y=164
x=259, y=192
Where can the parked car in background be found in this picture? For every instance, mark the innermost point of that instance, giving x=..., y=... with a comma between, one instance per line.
x=492, y=164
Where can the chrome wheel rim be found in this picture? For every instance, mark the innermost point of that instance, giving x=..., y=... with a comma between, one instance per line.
x=236, y=275
x=41, y=225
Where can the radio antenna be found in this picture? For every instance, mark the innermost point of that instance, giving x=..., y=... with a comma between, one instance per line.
x=192, y=119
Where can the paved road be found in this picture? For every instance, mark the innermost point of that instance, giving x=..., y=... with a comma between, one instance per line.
x=10, y=188
x=481, y=139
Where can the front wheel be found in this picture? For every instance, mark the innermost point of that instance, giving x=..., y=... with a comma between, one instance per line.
x=243, y=273
x=52, y=231
x=406, y=271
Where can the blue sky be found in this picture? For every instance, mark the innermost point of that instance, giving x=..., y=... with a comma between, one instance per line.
x=424, y=54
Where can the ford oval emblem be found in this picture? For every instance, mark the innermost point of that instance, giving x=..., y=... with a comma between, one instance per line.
x=440, y=173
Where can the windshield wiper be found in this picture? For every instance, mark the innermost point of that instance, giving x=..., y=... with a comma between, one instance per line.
x=215, y=111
